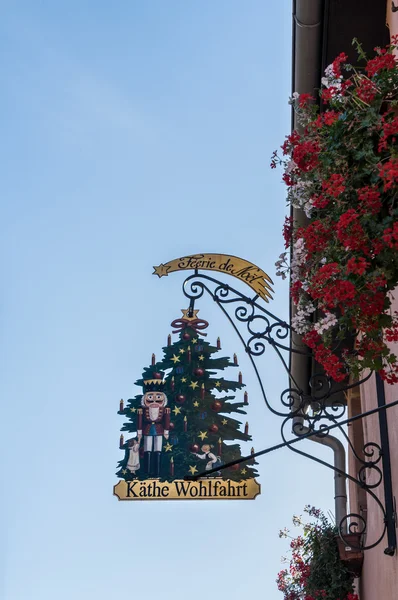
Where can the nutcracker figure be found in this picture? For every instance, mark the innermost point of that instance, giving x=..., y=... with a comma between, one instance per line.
x=153, y=422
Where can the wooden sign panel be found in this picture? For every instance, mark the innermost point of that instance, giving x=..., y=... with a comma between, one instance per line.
x=184, y=421
x=206, y=489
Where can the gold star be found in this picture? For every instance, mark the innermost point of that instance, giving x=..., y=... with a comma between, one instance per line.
x=193, y=470
x=133, y=409
x=168, y=447
x=193, y=385
x=183, y=379
x=182, y=350
x=176, y=410
x=202, y=435
x=243, y=471
x=224, y=421
x=124, y=471
x=196, y=404
x=201, y=357
x=194, y=340
x=218, y=383
x=185, y=314
x=175, y=359
x=161, y=270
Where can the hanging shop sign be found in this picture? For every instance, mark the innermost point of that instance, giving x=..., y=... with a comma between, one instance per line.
x=184, y=421
x=240, y=268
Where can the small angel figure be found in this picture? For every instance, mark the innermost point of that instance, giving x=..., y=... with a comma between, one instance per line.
x=133, y=463
x=213, y=461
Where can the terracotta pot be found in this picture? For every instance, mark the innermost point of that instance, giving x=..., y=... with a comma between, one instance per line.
x=350, y=552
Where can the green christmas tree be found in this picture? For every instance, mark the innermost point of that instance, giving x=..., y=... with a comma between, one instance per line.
x=187, y=434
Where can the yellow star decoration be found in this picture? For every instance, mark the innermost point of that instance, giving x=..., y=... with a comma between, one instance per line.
x=124, y=471
x=183, y=379
x=175, y=359
x=202, y=435
x=161, y=271
x=193, y=385
x=176, y=410
x=193, y=470
x=185, y=314
x=201, y=357
x=196, y=404
x=224, y=421
x=182, y=350
x=194, y=340
x=168, y=447
x=218, y=383
x=243, y=471
x=133, y=410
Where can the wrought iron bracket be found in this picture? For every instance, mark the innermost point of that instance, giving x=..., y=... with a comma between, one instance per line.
x=306, y=415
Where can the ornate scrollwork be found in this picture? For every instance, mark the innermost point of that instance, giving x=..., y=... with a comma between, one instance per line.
x=282, y=330
x=354, y=527
x=335, y=410
x=293, y=400
x=244, y=312
x=304, y=415
x=363, y=478
x=369, y=450
x=320, y=386
x=193, y=288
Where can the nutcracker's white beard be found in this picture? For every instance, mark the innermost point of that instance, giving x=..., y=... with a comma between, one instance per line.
x=153, y=412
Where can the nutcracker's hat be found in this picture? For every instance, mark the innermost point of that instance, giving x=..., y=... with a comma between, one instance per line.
x=153, y=381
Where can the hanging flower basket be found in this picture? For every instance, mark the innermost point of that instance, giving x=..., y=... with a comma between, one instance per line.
x=341, y=169
x=316, y=569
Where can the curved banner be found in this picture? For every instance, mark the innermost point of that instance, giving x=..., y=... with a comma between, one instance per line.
x=242, y=269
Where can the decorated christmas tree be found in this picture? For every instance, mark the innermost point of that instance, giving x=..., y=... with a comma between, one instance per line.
x=182, y=421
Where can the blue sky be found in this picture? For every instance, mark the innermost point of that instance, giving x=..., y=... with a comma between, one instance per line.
x=134, y=133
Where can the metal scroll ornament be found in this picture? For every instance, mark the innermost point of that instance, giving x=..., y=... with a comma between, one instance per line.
x=304, y=415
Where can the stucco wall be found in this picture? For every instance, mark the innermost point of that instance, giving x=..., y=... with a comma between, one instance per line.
x=379, y=579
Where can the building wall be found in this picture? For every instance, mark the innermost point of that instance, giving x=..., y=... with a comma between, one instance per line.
x=379, y=580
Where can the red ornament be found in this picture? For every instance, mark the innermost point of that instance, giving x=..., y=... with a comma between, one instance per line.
x=235, y=467
x=194, y=448
x=171, y=426
x=180, y=398
x=157, y=375
x=186, y=336
x=213, y=428
x=199, y=372
x=217, y=406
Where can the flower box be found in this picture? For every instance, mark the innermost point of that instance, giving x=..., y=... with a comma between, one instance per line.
x=341, y=171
